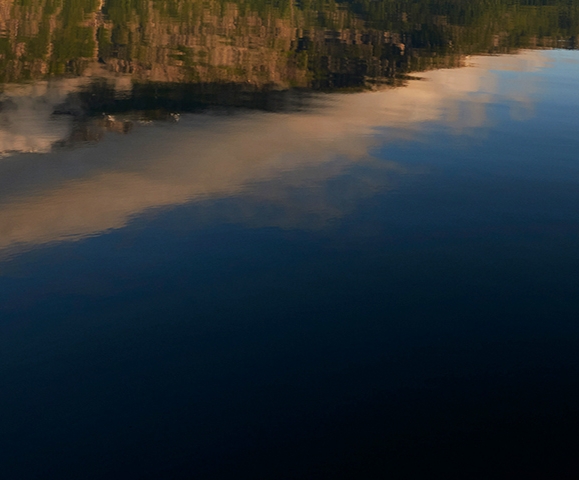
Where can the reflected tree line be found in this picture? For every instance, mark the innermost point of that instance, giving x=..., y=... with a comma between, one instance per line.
x=115, y=62
x=263, y=44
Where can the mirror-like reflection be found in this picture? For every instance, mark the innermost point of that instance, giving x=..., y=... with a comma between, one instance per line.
x=156, y=60
x=277, y=44
x=82, y=192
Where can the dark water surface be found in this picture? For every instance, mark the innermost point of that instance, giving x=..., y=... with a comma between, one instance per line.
x=289, y=240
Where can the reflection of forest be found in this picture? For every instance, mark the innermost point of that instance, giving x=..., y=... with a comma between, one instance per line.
x=260, y=43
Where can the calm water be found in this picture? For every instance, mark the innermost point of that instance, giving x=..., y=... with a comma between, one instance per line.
x=290, y=240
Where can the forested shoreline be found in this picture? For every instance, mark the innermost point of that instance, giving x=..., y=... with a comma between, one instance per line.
x=264, y=44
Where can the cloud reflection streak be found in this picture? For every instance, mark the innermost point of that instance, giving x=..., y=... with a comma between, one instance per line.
x=71, y=194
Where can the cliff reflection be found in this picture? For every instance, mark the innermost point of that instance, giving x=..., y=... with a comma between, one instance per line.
x=120, y=62
x=70, y=194
x=269, y=44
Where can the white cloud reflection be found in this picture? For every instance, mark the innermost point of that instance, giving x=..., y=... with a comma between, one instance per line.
x=70, y=194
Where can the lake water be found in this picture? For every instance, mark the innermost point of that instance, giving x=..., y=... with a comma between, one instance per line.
x=289, y=240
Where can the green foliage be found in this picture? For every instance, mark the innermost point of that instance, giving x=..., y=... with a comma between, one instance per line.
x=323, y=42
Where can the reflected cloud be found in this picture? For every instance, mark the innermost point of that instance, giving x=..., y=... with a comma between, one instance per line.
x=27, y=123
x=74, y=193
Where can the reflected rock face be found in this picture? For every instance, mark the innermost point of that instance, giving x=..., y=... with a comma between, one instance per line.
x=138, y=61
x=279, y=44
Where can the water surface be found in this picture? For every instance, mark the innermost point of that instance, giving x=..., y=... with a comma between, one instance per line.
x=246, y=240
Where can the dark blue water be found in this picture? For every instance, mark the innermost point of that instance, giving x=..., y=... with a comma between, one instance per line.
x=382, y=285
